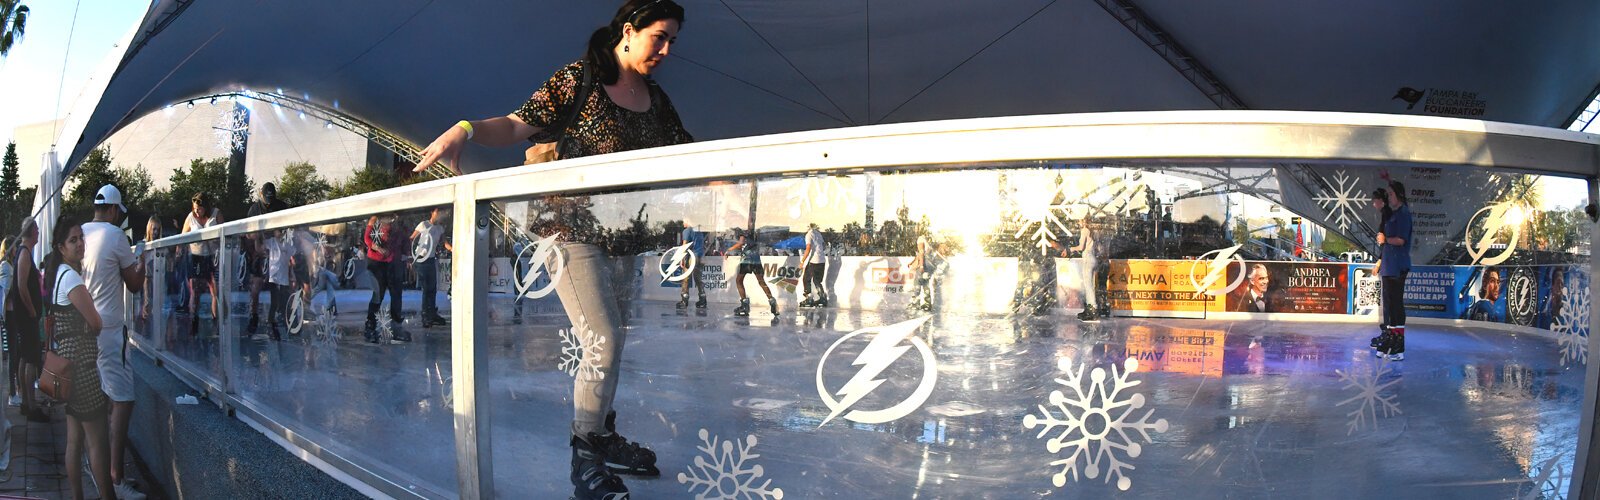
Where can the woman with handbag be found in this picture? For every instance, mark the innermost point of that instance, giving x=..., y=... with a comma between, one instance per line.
x=602, y=103
x=73, y=325
x=22, y=322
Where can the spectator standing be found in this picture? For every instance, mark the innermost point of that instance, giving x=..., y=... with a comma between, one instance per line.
x=110, y=270
x=428, y=239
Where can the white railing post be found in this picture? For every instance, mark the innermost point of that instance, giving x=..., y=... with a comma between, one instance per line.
x=469, y=333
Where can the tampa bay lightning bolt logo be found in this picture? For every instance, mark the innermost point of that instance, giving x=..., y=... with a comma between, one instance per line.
x=883, y=350
x=1215, y=268
x=540, y=259
x=677, y=263
x=1493, y=221
x=296, y=315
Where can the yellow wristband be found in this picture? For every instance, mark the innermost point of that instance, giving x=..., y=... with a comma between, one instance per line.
x=467, y=126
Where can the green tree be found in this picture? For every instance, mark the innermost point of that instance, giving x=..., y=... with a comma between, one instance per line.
x=366, y=180
x=13, y=20
x=202, y=176
x=10, y=178
x=301, y=185
x=1333, y=244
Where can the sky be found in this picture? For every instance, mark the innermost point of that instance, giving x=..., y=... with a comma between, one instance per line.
x=44, y=61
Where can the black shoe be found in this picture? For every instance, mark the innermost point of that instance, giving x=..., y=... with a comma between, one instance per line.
x=400, y=337
x=683, y=303
x=623, y=456
x=1397, y=348
x=743, y=309
x=1088, y=316
x=439, y=321
x=370, y=332
x=700, y=304
x=591, y=479
x=1386, y=343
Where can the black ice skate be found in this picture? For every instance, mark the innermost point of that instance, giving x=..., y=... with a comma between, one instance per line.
x=591, y=479
x=743, y=309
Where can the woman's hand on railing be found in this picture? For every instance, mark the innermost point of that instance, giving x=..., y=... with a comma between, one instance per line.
x=446, y=148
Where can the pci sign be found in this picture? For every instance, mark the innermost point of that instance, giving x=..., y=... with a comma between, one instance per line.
x=892, y=279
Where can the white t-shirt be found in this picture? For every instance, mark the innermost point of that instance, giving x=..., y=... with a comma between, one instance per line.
x=67, y=279
x=814, y=241
x=106, y=252
x=428, y=237
x=278, y=251
x=202, y=249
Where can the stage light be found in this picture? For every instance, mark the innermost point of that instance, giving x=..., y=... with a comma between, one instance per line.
x=327, y=125
x=213, y=101
x=191, y=104
x=302, y=115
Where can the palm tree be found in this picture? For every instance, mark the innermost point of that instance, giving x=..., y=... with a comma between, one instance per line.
x=13, y=18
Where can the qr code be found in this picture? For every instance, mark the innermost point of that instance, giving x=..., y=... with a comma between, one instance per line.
x=1367, y=293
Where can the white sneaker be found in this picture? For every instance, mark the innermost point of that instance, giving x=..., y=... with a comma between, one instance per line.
x=15, y=401
x=125, y=491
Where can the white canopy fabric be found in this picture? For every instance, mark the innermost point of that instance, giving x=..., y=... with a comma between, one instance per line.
x=751, y=67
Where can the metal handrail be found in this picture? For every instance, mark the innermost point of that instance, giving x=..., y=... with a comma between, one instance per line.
x=1229, y=137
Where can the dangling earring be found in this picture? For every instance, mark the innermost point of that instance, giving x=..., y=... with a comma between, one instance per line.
x=626, y=47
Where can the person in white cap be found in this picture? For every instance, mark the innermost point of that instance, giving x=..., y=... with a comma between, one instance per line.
x=110, y=270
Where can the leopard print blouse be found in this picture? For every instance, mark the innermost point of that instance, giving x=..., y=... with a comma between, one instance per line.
x=603, y=126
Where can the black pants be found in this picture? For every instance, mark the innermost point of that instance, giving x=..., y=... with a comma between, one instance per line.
x=1394, y=305
x=814, y=274
x=280, y=299
x=386, y=278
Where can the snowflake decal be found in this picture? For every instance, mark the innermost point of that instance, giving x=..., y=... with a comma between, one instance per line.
x=820, y=192
x=1572, y=325
x=1368, y=395
x=1550, y=482
x=327, y=326
x=385, y=329
x=1041, y=221
x=580, y=351
x=1342, y=201
x=233, y=128
x=729, y=474
x=1094, y=423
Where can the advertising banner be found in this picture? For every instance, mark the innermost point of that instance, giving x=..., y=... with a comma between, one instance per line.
x=1481, y=293
x=1290, y=287
x=967, y=284
x=1563, y=300
x=1431, y=291
x=1161, y=288
x=1177, y=350
x=1365, y=289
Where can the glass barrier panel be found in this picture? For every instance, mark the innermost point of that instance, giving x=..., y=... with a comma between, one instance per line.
x=191, y=308
x=343, y=347
x=1034, y=329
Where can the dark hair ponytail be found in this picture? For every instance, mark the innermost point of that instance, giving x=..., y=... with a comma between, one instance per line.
x=1399, y=191
x=53, y=260
x=639, y=13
